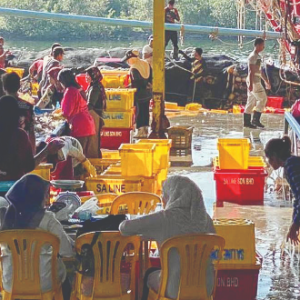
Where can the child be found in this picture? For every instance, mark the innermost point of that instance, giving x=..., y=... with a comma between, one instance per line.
x=3, y=53
x=278, y=152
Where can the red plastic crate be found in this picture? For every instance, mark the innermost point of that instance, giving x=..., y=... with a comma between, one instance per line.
x=237, y=284
x=240, y=186
x=112, y=138
x=82, y=82
x=275, y=102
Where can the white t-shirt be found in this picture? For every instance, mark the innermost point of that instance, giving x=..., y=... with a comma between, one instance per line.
x=255, y=60
x=148, y=50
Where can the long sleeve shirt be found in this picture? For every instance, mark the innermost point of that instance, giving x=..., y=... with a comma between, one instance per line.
x=292, y=172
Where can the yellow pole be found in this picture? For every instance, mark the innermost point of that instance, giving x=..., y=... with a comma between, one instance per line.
x=158, y=69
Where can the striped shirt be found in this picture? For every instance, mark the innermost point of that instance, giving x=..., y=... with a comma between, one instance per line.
x=292, y=172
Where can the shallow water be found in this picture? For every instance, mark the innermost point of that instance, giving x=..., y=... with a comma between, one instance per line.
x=279, y=276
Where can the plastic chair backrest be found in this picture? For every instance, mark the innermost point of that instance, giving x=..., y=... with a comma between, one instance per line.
x=106, y=198
x=108, y=251
x=194, y=251
x=138, y=203
x=25, y=247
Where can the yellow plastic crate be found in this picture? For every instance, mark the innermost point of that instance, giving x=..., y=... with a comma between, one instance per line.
x=161, y=178
x=234, y=154
x=102, y=164
x=239, y=238
x=19, y=71
x=113, y=184
x=122, y=119
x=161, y=154
x=150, y=185
x=137, y=159
x=110, y=154
x=113, y=169
x=115, y=78
x=253, y=161
x=119, y=99
x=43, y=170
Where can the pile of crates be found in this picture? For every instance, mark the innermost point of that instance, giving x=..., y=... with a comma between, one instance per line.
x=239, y=267
x=239, y=177
x=136, y=167
x=119, y=118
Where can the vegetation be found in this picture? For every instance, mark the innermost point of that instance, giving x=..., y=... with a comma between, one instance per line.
x=202, y=12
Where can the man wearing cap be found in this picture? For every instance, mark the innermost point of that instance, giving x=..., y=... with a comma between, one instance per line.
x=148, y=51
x=141, y=80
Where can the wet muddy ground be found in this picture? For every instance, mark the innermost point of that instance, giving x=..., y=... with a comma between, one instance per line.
x=279, y=276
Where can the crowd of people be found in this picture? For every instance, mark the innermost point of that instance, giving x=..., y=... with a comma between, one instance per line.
x=23, y=206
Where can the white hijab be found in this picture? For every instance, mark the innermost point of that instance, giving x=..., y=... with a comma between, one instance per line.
x=184, y=199
x=141, y=65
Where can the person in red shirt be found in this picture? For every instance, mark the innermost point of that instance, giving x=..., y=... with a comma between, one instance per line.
x=171, y=16
x=36, y=70
x=75, y=110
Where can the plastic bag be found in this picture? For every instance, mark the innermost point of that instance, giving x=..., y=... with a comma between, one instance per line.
x=90, y=205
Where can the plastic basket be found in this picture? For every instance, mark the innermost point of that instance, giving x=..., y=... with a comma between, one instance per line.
x=113, y=184
x=18, y=71
x=239, y=238
x=150, y=185
x=244, y=187
x=235, y=282
x=110, y=154
x=112, y=138
x=102, y=164
x=254, y=162
x=119, y=99
x=161, y=154
x=233, y=154
x=275, y=102
x=161, y=178
x=181, y=137
x=115, y=78
x=137, y=159
x=113, y=170
x=43, y=170
x=122, y=119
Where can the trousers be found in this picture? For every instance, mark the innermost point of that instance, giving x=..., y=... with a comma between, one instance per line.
x=257, y=98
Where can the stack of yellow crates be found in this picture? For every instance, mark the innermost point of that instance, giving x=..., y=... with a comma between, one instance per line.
x=142, y=166
x=119, y=118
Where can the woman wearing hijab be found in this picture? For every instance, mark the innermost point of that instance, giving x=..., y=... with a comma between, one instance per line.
x=75, y=110
x=184, y=213
x=16, y=155
x=141, y=79
x=96, y=99
x=26, y=200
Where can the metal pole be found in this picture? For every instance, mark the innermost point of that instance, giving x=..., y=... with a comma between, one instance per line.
x=9, y=12
x=158, y=69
